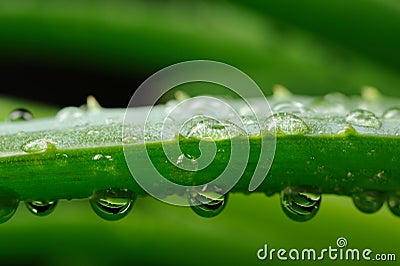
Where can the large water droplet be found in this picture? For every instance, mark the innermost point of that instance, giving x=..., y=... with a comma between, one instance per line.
x=286, y=123
x=394, y=203
x=203, y=127
x=20, y=114
x=369, y=201
x=9, y=201
x=363, y=118
x=392, y=113
x=300, y=204
x=41, y=207
x=37, y=145
x=112, y=204
x=207, y=202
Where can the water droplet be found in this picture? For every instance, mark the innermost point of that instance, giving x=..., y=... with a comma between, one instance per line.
x=392, y=113
x=41, y=207
x=37, y=145
x=286, y=123
x=100, y=156
x=329, y=104
x=291, y=107
x=394, y=203
x=187, y=162
x=347, y=131
x=363, y=118
x=349, y=177
x=62, y=159
x=20, y=114
x=129, y=140
x=9, y=201
x=205, y=106
x=382, y=177
x=110, y=121
x=112, y=204
x=300, y=204
x=93, y=132
x=203, y=127
x=71, y=116
x=97, y=157
x=207, y=202
x=369, y=201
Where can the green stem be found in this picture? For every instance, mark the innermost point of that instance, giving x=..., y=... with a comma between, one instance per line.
x=75, y=160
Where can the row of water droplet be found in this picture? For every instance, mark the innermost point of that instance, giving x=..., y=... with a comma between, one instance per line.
x=290, y=118
x=112, y=204
x=298, y=203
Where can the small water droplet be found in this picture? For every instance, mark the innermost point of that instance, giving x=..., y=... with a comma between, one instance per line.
x=203, y=127
x=329, y=104
x=349, y=176
x=368, y=201
x=100, y=156
x=347, y=130
x=9, y=201
x=187, y=162
x=20, y=114
x=286, y=123
x=300, y=204
x=97, y=157
x=207, y=202
x=363, y=118
x=41, y=207
x=110, y=121
x=392, y=113
x=394, y=203
x=71, y=116
x=112, y=204
x=62, y=159
x=37, y=145
x=93, y=132
x=382, y=177
x=129, y=140
x=291, y=107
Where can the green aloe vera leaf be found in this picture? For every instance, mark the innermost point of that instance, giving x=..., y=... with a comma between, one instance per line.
x=345, y=151
x=121, y=36
x=259, y=218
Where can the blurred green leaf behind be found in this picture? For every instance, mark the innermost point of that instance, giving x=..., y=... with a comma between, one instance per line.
x=77, y=48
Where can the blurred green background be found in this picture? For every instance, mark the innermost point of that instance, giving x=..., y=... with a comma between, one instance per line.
x=59, y=52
